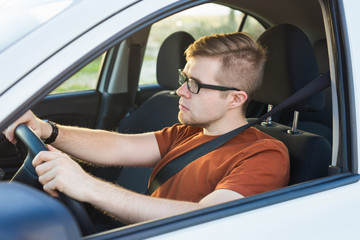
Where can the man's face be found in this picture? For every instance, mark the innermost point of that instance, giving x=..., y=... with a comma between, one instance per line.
x=208, y=107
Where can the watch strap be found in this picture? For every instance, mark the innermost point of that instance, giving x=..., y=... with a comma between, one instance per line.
x=54, y=133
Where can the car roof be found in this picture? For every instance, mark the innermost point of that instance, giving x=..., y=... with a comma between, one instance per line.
x=305, y=14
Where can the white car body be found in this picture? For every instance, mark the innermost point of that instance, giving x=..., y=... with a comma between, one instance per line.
x=325, y=209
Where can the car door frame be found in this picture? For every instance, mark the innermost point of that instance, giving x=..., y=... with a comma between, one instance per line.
x=254, y=210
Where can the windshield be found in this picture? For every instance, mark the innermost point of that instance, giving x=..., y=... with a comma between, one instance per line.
x=20, y=17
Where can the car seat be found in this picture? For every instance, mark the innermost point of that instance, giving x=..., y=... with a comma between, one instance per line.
x=320, y=122
x=161, y=109
x=157, y=112
x=291, y=64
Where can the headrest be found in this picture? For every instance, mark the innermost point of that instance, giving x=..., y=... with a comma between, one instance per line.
x=171, y=58
x=291, y=64
x=321, y=53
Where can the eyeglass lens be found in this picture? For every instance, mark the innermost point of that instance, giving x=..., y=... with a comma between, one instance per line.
x=191, y=84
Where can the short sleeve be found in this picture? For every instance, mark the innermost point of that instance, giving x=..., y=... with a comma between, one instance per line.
x=265, y=168
x=165, y=137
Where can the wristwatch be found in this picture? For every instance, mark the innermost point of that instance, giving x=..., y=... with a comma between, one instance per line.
x=54, y=133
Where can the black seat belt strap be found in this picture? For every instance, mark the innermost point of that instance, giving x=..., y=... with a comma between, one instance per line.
x=176, y=165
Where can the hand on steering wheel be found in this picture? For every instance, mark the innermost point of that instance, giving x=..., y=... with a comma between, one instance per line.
x=27, y=174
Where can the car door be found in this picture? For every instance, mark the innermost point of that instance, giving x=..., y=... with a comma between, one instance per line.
x=75, y=102
x=311, y=210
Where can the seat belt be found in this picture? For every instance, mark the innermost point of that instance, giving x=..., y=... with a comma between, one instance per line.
x=176, y=165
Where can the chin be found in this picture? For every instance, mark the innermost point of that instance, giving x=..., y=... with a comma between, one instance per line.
x=191, y=122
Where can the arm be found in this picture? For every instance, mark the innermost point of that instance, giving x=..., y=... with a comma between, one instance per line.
x=108, y=148
x=59, y=173
x=96, y=146
x=132, y=207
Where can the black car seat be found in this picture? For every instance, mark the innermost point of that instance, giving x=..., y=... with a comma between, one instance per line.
x=161, y=109
x=291, y=65
x=320, y=122
x=157, y=112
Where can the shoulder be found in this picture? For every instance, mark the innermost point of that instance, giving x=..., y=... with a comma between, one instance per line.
x=171, y=136
x=261, y=141
x=178, y=130
x=254, y=133
x=176, y=134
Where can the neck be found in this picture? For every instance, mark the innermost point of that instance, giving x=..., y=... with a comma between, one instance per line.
x=222, y=128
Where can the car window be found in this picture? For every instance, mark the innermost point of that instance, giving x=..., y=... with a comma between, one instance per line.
x=198, y=21
x=252, y=26
x=83, y=80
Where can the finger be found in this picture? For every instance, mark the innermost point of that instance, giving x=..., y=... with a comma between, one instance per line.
x=10, y=131
x=53, y=149
x=50, y=179
x=45, y=156
x=50, y=188
x=46, y=177
x=43, y=168
x=55, y=184
x=47, y=174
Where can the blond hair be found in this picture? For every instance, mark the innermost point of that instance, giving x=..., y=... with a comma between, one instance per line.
x=242, y=59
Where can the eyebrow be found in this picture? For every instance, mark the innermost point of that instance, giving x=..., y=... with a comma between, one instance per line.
x=193, y=78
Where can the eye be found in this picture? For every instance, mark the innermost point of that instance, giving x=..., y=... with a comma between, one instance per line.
x=193, y=84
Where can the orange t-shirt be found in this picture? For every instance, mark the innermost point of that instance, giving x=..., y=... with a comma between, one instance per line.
x=250, y=163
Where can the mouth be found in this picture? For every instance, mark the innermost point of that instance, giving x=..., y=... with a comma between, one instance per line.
x=183, y=107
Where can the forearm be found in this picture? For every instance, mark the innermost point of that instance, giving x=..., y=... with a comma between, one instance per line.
x=131, y=207
x=86, y=144
x=106, y=148
x=95, y=146
x=57, y=172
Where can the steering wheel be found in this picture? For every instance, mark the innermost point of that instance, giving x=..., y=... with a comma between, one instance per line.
x=27, y=175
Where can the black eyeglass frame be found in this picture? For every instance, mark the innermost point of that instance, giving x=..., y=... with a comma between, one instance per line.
x=185, y=79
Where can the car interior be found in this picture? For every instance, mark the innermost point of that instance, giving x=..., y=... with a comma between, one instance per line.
x=135, y=92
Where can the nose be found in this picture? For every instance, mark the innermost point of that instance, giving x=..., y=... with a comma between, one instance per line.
x=183, y=91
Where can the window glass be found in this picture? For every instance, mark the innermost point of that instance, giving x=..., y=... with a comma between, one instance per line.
x=253, y=27
x=198, y=21
x=83, y=80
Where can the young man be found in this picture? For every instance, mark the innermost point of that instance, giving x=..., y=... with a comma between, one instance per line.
x=221, y=75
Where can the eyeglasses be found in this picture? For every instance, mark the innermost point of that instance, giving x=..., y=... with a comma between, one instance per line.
x=194, y=86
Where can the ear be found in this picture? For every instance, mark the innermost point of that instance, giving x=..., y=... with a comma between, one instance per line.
x=237, y=98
